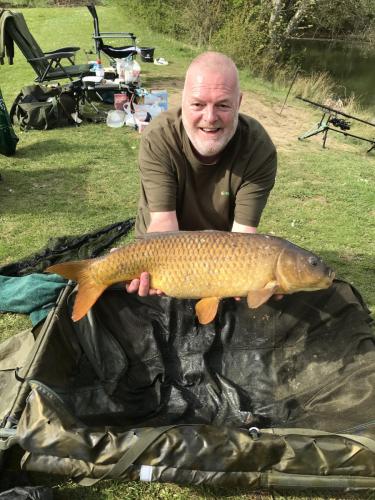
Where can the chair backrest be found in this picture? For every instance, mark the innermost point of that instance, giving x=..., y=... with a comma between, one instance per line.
x=97, y=40
x=110, y=51
x=18, y=31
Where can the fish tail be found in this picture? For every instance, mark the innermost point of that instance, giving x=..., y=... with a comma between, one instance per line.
x=88, y=290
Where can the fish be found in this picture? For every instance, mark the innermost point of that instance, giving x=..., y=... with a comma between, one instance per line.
x=204, y=265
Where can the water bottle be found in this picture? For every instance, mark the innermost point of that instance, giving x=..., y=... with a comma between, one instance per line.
x=99, y=70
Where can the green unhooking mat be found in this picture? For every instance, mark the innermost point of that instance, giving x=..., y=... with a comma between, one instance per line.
x=283, y=395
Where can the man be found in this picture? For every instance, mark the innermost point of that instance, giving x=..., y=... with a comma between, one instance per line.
x=204, y=166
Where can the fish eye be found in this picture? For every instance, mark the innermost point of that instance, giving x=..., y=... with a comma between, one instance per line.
x=313, y=261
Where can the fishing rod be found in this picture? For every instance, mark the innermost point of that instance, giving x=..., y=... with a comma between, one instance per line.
x=333, y=110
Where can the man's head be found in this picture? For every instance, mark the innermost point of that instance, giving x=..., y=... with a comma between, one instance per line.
x=210, y=102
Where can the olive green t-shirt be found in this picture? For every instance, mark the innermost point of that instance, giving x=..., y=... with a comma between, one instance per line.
x=204, y=196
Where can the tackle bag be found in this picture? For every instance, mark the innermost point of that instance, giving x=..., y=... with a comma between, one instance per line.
x=40, y=107
x=8, y=138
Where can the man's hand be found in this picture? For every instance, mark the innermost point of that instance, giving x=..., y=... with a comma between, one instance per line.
x=141, y=286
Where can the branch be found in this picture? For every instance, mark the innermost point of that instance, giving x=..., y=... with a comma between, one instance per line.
x=300, y=12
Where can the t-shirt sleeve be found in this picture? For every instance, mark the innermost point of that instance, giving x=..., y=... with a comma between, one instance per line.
x=257, y=182
x=158, y=178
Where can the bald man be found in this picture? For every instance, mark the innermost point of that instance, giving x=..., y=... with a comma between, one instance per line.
x=204, y=165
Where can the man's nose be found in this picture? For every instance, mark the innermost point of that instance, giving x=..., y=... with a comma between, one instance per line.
x=210, y=114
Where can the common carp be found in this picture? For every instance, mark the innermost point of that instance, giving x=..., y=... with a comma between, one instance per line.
x=206, y=265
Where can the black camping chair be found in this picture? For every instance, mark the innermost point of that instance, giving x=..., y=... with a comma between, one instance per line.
x=54, y=65
x=110, y=51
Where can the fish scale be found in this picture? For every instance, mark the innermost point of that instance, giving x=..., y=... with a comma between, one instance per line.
x=188, y=265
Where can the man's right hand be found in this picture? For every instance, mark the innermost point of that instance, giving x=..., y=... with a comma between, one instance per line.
x=141, y=286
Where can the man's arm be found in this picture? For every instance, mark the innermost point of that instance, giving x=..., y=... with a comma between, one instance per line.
x=163, y=221
x=242, y=228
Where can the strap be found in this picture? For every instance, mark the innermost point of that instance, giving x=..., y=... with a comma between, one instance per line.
x=12, y=111
x=147, y=438
x=363, y=440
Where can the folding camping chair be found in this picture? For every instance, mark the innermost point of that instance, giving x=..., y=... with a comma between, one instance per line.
x=110, y=51
x=53, y=65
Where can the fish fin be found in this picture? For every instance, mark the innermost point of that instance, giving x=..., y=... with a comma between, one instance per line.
x=255, y=298
x=88, y=290
x=206, y=309
x=71, y=270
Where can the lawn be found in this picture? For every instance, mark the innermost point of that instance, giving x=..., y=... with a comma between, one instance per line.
x=74, y=180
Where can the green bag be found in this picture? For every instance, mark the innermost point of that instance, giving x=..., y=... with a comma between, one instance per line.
x=40, y=107
x=8, y=139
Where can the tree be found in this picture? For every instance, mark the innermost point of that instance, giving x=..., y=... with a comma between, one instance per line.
x=317, y=18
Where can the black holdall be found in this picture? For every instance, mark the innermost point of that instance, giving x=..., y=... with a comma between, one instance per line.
x=8, y=138
x=40, y=107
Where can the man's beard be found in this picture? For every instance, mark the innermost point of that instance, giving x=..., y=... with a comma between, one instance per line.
x=206, y=146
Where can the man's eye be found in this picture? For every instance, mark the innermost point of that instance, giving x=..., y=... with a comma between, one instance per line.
x=196, y=105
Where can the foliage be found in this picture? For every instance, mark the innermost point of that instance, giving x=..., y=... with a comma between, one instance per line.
x=243, y=36
x=252, y=31
x=350, y=17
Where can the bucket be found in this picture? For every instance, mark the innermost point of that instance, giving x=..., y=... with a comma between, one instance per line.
x=116, y=118
x=147, y=54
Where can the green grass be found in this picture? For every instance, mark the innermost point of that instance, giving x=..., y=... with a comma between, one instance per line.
x=74, y=180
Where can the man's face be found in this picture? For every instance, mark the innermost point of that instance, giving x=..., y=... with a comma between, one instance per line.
x=210, y=107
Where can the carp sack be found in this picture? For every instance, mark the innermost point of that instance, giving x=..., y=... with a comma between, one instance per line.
x=206, y=265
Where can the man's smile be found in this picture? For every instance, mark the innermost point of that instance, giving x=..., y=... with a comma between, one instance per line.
x=209, y=130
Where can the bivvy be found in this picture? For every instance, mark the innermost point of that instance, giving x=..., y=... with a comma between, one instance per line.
x=283, y=395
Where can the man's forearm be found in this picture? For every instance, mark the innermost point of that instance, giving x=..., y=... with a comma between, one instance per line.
x=163, y=221
x=242, y=228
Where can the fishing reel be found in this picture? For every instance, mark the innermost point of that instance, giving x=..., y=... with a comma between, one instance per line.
x=340, y=122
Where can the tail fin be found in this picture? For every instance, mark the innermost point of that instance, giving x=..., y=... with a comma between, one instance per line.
x=88, y=290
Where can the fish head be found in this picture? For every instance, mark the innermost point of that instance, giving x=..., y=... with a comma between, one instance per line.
x=300, y=270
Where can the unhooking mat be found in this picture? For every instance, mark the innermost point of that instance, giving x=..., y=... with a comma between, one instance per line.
x=281, y=395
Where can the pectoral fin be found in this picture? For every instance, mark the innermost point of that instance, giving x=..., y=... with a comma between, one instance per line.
x=206, y=309
x=255, y=298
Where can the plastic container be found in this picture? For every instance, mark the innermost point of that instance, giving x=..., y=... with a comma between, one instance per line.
x=132, y=71
x=120, y=68
x=99, y=70
x=158, y=97
x=153, y=109
x=116, y=118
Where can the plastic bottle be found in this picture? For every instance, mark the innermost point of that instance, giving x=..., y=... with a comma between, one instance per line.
x=99, y=70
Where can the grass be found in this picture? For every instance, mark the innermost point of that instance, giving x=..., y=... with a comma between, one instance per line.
x=74, y=180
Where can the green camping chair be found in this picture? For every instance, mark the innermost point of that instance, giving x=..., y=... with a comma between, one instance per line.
x=54, y=65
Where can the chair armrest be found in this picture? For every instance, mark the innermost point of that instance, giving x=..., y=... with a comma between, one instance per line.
x=53, y=56
x=122, y=33
x=64, y=49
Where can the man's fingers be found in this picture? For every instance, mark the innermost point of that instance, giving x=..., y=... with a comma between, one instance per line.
x=133, y=286
x=144, y=285
x=141, y=286
x=153, y=291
